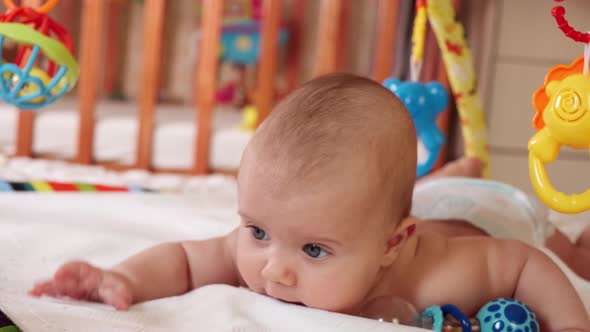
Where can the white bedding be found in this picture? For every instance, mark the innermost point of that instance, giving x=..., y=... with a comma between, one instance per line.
x=38, y=231
x=56, y=130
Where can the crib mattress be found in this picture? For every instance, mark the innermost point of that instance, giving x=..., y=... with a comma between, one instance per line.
x=56, y=133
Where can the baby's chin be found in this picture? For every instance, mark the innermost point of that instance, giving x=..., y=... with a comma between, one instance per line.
x=293, y=302
x=324, y=307
x=333, y=307
x=310, y=303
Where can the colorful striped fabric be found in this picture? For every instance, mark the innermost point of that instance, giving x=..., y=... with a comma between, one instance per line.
x=49, y=186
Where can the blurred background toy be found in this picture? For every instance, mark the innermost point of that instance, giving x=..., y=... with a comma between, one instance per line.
x=44, y=68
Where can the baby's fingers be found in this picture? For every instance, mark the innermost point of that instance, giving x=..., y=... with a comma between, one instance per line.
x=116, y=291
x=78, y=271
x=43, y=288
x=77, y=280
x=120, y=298
x=82, y=281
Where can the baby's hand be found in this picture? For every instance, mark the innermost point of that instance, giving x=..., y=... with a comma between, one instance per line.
x=82, y=281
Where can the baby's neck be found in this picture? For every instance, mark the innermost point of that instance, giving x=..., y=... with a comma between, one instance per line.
x=391, y=281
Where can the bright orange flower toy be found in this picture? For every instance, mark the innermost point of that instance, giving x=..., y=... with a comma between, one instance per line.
x=562, y=118
x=44, y=68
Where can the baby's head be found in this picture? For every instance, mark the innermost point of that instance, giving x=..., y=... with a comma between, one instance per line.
x=325, y=188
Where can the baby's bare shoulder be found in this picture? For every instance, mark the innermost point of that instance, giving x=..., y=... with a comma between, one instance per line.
x=497, y=262
x=488, y=247
x=213, y=260
x=466, y=271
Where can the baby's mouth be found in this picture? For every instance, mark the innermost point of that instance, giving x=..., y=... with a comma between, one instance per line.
x=290, y=302
x=264, y=292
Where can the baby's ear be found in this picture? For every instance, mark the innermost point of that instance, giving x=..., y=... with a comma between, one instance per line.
x=402, y=232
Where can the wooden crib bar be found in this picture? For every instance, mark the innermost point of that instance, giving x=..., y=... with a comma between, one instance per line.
x=153, y=33
x=25, y=134
x=387, y=21
x=327, y=37
x=267, y=69
x=26, y=119
x=294, y=54
x=93, y=15
x=206, y=80
x=112, y=56
x=341, y=55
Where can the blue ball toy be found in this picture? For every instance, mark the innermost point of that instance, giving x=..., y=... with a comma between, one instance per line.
x=507, y=315
x=424, y=103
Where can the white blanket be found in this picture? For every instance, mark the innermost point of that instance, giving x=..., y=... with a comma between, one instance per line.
x=40, y=231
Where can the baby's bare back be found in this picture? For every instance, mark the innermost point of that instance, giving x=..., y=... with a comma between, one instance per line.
x=464, y=271
x=471, y=271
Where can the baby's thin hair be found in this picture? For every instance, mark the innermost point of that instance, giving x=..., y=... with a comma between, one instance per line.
x=344, y=118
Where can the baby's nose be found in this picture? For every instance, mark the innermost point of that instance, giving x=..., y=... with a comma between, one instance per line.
x=279, y=272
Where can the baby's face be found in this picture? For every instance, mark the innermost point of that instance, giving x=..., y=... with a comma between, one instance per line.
x=316, y=245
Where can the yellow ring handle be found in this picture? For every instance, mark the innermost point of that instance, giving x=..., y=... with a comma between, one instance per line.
x=556, y=200
x=43, y=9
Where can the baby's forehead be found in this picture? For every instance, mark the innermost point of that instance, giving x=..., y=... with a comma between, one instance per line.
x=341, y=223
x=338, y=201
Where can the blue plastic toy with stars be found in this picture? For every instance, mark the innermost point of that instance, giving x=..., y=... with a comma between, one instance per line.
x=424, y=102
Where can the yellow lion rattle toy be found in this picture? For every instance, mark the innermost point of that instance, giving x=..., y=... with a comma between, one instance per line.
x=562, y=118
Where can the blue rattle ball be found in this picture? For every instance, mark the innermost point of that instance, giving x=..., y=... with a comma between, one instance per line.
x=507, y=315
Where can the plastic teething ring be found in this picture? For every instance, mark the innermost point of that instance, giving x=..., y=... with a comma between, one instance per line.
x=562, y=23
x=458, y=315
x=560, y=202
x=43, y=9
x=425, y=167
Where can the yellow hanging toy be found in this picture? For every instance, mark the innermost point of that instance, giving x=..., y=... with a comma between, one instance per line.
x=458, y=61
x=562, y=118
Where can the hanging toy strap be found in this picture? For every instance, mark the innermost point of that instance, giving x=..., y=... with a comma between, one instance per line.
x=558, y=13
x=418, y=38
x=460, y=68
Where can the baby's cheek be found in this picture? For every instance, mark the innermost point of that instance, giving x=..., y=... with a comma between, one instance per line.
x=338, y=291
x=249, y=263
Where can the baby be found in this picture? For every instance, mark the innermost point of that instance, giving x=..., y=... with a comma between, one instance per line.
x=325, y=192
x=462, y=204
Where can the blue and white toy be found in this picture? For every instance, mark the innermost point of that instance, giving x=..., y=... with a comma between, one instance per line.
x=424, y=102
x=501, y=315
x=507, y=315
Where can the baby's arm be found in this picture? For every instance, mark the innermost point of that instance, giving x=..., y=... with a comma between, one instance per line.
x=164, y=270
x=545, y=288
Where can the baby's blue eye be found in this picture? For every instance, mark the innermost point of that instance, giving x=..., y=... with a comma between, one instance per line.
x=259, y=234
x=314, y=251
